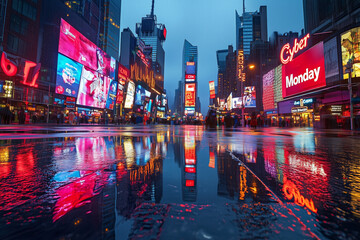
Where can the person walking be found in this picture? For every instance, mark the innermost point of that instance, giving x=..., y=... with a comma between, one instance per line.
x=21, y=116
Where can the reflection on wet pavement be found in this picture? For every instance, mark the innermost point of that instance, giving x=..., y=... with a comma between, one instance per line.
x=179, y=183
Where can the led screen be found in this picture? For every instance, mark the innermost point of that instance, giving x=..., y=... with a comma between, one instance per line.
x=129, y=100
x=190, y=68
x=77, y=47
x=104, y=66
x=306, y=72
x=190, y=95
x=236, y=102
x=268, y=90
x=93, y=89
x=68, y=76
x=140, y=95
x=120, y=93
x=212, y=89
x=112, y=95
x=350, y=50
x=250, y=97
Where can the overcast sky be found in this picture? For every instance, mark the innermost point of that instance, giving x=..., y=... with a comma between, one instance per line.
x=209, y=24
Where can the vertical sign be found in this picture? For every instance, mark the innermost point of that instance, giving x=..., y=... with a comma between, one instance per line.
x=212, y=89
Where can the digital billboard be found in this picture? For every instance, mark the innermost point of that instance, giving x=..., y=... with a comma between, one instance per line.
x=190, y=77
x=123, y=74
x=212, y=89
x=190, y=94
x=350, y=51
x=250, y=97
x=93, y=89
x=268, y=90
x=236, y=102
x=120, y=93
x=67, y=76
x=105, y=66
x=229, y=102
x=190, y=68
x=130, y=93
x=142, y=96
x=110, y=102
x=158, y=100
x=77, y=47
x=189, y=111
x=304, y=73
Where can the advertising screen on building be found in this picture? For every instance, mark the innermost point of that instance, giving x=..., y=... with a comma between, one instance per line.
x=120, y=93
x=93, y=90
x=304, y=73
x=236, y=102
x=68, y=76
x=142, y=96
x=278, y=84
x=77, y=47
x=212, y=89
x=268, y=90
x=190, y=68
x=229, y=102
x=190, y=111
x=163, y=100
x=350, y=50
x=110, y=102
x=250, y=97
x=105, y=65
x=123, y=74
x=190, y=94
x=190, y=78
x=129, y=100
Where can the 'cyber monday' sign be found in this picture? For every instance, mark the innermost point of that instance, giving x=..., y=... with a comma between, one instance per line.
x=304, y=73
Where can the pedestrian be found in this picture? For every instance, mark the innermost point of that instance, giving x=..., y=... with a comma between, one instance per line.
x=21, y=116
x=7, y=114
x=71, y=118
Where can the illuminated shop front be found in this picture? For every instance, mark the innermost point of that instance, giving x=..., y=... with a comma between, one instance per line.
x=310, y=88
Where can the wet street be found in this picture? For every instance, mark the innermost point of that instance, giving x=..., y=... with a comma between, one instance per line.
x=178, y=182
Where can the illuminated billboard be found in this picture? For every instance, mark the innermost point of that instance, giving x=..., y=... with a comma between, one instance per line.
x=130, y=94
x=190, y=94
x=278, y=84
x=250, y=97
x=268, y=90
x=190, y=111
x=68, y=76
x=229, y=102
x=190, y=68
x=77, y=47
x=105, y=64
x=110, y=102
x=212, y=89
x=190, y=77
x=120, y=93
x=236, y=102
x=350, y=51
x=123, y=74
x=93, y=90
x=304, y=73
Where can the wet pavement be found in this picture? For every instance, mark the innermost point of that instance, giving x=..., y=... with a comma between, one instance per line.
x=178, y=182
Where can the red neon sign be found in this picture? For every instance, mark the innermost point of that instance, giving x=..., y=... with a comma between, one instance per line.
x=291, y=191
x=30, y=72
x=189, y=183
x=287, y=54
x=190, y=169
x=8, y=67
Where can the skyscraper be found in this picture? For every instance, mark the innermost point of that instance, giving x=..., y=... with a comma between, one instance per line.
x=110, y=36
x=189, y=72
x=154, y=34
x=251, y=26
x=221, y=61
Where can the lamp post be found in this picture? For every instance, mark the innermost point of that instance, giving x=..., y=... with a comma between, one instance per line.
x=349, y=70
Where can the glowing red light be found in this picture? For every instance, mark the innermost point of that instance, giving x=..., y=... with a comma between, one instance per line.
x=287, y=54
x=190, y=161
x=8, y=67
x=33, y=77
x=190, y=183
x=291, y=191
x=190, y=170
x=165, y=32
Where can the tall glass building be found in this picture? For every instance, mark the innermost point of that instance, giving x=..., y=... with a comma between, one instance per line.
x=153, y=34
x=250, y=27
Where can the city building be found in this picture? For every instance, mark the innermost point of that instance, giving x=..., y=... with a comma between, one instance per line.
x=154, y=35
x=221, y=62
x=111, y=35
x=250, y=26
x=322, y=16
x=189, y=71
x=178, y=99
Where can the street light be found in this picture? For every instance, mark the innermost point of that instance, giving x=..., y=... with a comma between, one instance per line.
x=251, y=67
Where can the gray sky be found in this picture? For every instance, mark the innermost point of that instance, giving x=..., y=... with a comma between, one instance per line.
x=209, y=24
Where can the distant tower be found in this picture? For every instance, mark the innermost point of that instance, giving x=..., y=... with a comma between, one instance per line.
x=154, y=35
